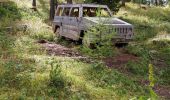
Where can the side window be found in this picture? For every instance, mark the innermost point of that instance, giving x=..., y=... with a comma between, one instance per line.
x=74, y=12
x=66, y=11
x=89, y=12
x=59, y=11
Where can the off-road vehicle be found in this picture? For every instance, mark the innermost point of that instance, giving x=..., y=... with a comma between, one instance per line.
x=73, y=20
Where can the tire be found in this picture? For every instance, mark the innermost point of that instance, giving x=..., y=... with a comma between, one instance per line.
x=54, y=28
x=57, y=31
x=80, y=41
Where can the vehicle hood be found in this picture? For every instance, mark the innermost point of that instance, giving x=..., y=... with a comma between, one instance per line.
x=106, y=21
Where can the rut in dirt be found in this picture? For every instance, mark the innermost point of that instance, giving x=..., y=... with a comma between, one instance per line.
x=63, y=51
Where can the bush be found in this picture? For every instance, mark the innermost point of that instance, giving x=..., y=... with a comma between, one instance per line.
x=56, y=78
x=99, y=38
x=59, y=84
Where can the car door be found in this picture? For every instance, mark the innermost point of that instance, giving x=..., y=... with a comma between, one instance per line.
x=65, y=21
x=74, y=22
x=58, y=18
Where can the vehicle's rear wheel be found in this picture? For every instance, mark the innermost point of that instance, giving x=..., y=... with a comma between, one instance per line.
x=54, y=28
x=57, y=32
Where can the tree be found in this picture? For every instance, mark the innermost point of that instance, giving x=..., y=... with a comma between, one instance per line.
x=69, y=1
x=34, y=5
x=157, y=2
x=123, y=3
x=53, y=5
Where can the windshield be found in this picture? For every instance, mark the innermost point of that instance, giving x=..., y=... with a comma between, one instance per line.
x=95, y=12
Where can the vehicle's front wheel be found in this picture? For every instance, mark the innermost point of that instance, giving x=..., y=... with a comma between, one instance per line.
x=80, y=41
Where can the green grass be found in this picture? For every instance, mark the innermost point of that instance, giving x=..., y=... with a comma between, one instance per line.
x=25, y=67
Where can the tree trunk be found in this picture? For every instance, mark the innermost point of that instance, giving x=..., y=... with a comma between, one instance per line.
x=52, y=9
x=100, y=1
x=69, y=1
x=34, y=4
x=123, y=3
x=157, y=2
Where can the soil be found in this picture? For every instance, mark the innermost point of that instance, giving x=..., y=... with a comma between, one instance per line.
x=163, y=91
x=160, y=90
x=118, y=62
x=62, y=51
x=58, y=50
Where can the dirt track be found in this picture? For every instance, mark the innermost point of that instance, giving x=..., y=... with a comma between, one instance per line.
x=63, y=51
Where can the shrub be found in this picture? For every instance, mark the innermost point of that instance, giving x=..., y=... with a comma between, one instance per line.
x=99, y=38
x=56, y=78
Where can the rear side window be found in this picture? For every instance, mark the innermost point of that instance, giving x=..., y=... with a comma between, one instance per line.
x=59, y=11
x=95, y=12
x=74, y=12
x=66, y=11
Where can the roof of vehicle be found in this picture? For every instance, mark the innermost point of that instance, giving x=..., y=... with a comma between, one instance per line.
x=84, y=5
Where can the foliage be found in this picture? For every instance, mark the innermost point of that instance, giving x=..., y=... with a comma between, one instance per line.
x=55, y=76
x=113, y=4
x=152, y=83
x=99, y=38
x=151, y=76
x=57, y=81
x=152, y=2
